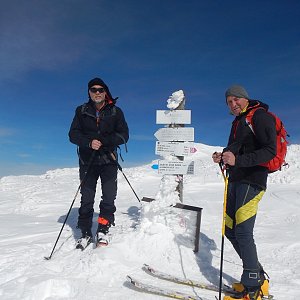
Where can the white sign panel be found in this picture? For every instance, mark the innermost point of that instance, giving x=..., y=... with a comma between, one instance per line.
x=168, y=167
x=173, y=117
x=174, y=148
x=180, y=134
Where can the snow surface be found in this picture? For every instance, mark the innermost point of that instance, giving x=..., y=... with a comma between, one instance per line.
x=33, y=209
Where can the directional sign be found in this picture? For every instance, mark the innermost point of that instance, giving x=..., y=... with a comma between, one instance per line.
x=173, y=117
x=168, y=167
x=181, y=134
x=175, y=148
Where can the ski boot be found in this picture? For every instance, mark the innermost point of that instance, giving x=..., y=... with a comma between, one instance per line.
x=239, y=287
x=253, y=293
x=102, y=238
x=84, y=241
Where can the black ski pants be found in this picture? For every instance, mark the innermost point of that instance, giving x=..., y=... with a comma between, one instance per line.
x=241, y=209
x=108, y=176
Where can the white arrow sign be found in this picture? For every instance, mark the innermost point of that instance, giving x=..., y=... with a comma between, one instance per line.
x=180, y=134
x=175, y=167
x=175, y=148
x=173, y=117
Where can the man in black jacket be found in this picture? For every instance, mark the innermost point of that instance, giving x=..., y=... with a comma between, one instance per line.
x=247, y=183
x=97, y=129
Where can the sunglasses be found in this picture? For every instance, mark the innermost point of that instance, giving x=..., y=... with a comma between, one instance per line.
x=95, y=90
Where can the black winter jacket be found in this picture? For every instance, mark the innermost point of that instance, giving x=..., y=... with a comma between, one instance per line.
x=252, y=149
x=111, y=130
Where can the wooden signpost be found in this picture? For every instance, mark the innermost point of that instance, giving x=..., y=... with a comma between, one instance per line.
x=175, y=143
x=172, y=134
x=173, y=117
x=171, y=167
x=175, y=148
x=175, y=140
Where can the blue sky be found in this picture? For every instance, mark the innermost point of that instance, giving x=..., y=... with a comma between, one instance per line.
x=144, y=51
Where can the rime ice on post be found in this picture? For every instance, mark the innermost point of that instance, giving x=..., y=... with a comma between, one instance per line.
x=173, y=138
x=176, y=100
x=175, y=142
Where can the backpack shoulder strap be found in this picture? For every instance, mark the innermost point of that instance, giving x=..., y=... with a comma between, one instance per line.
x=84, y=107
x=113, y=110
x=249, y=117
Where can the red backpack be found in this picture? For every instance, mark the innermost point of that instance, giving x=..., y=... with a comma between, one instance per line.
x=278, y=161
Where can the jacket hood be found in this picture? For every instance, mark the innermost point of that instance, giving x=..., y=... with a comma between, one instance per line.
x=257, y=103
x=99, y=81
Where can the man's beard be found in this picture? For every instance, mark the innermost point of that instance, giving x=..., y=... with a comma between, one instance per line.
x=99, y=101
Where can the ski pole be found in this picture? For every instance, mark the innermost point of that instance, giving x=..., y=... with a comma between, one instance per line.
x=225, y=177
x=79, y=187
x=120, y=168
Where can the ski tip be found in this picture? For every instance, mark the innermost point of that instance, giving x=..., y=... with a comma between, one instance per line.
x=148, y=268
x=78, y=247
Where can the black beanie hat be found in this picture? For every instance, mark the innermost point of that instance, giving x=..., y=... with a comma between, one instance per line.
x=237, y=91
x=99, y=81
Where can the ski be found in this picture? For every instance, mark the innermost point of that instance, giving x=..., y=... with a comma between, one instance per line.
x=143, y=287
x=80, y=247
x=226, y=289
x=175, y=279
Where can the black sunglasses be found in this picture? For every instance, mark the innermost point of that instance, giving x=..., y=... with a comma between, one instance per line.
x=95, y=90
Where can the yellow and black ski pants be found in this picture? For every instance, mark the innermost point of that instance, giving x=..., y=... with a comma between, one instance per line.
x=241, y=210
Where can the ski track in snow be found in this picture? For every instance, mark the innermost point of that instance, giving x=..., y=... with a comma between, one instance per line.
x=33, y=208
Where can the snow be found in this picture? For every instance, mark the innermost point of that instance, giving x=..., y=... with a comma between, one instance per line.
x=175, y=99
x=33, y=208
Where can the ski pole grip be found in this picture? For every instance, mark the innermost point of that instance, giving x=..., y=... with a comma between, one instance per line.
x=113, y=156
x=115, y=160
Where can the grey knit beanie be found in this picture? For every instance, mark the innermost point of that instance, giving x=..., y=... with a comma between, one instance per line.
x=237, y=91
